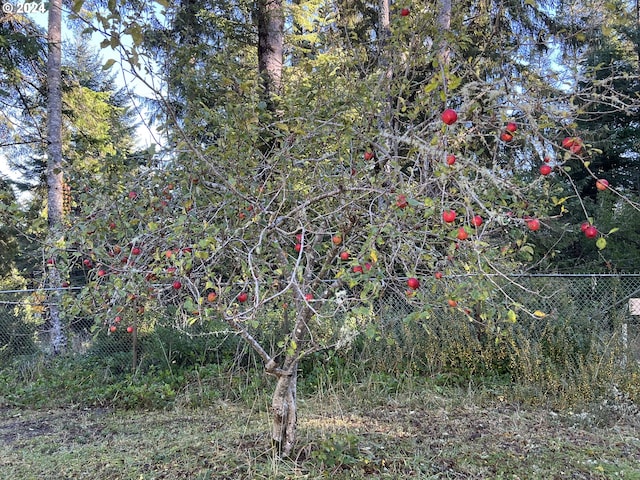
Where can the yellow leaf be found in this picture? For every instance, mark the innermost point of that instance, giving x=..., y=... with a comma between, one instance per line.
x=539, y=314
x=511, y=316
x=374, y=256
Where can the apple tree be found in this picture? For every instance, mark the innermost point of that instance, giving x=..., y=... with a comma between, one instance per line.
x=373, y=182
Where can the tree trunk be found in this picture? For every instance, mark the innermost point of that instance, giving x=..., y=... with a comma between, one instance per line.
x=284, y=402
x=386, y=116
x=284, y=410
x=444, y=22
x=55, y=197
x=270, y=46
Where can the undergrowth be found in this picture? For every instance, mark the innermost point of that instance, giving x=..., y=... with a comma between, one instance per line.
x=85, y=381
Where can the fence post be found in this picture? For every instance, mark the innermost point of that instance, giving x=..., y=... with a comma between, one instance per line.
x=634, y=309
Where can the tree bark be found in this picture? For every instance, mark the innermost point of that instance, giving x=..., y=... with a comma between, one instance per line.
x=284, y=410
x=284, y=400
x=270, y=46
x=444, y=22
x=55, y=200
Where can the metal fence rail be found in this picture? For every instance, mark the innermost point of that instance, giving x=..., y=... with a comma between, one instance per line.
x=555, y=314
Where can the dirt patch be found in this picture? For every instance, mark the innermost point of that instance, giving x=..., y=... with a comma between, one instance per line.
x=15, y=430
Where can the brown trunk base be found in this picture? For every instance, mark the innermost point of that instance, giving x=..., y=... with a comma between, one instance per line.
x=284, y=408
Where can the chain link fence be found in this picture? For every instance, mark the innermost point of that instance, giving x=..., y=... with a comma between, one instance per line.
x=564, y=320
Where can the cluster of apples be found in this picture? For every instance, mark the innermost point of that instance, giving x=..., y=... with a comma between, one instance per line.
x=507, y=134
x=113, y=327
x=575, y=145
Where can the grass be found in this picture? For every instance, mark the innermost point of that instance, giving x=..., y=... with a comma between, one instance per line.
x=363, y=430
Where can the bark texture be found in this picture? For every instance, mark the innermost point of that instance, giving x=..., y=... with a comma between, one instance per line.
x=270, y=46
x=284, y=400
x=284, y=409
x=444, y=22
x=55, y=191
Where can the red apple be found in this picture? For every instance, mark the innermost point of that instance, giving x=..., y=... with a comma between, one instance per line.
x=177, y=285
x=65, y=284
x=368, y=155
x=51, y=261
x=451, y=159
x=462, y=234
x=591, y=232
x=308, y=297
x=133, y=195
x=452, y=303
x=102, y=272
x=511, y=127
x=413, y=283
x=336, y=239
x=298, y=247
x=243, y=297
x=87, y=263
x=584, y=226
x=506, y=137
x=401, y=201
x=449, y=116
x=118, y=319
x=129, y=329
x=404, y=12
x=112, y=226
x=211, y=296
x=344, y=255
x=438, y=275
x=449, y=216
x=573, y=144
x=357, y=269
x=299, y=237
x=113, y=328
x=602, y=184
x=546, y=159
x=136, y=251
x=533, y=224
x=476, y=221
x=545, y=169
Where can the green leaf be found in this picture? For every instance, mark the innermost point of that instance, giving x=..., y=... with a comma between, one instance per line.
x=77, y=6
x=136, y=34
x=613, y=230
x=432, y=85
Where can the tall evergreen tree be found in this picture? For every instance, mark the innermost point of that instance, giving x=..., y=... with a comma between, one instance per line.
x=54, y=172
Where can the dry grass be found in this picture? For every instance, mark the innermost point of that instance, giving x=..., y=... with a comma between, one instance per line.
x=364, y=433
